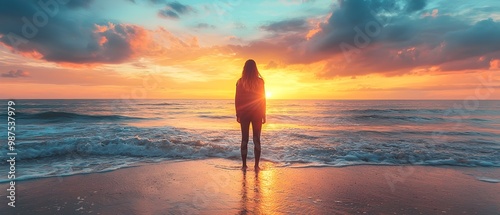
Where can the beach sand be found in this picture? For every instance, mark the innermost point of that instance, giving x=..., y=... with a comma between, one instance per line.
x=217, y=186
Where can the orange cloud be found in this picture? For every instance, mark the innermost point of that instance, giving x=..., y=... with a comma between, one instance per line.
x=103, y=40
x=103, y=28
x=495, y=64
x=317, y=26
x=433, y=14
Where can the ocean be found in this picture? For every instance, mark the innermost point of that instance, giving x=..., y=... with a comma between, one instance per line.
x=66, y=137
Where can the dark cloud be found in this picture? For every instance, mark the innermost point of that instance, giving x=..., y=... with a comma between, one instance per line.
x=16, y=74
x=468, y=64
x=179, y=8
x=169, y=14
x=55, y=34
x=173, y=10
x=349, y=19
x=443, y=42
x=415, y=5
x=287, y=26
x=477, y=40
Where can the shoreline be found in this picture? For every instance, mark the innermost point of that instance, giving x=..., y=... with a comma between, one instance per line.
x=214, y=186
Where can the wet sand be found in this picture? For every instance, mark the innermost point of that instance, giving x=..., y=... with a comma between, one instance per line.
x=218, y=186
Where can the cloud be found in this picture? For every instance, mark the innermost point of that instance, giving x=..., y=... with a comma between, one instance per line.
x=354, y=38
x=287, y=26
x=271, y=65
x=281, y=48
x=204, y=25
x=415, y=5
x=173, y=10
x=79, y=3
x=167, y=13
x=60, y=36
x=477, y=40
x=179, y=8
x=406, y=43
x=351, y=17
x=292, y=2
x=239, y=25
x=384, y=37
x=16, y=74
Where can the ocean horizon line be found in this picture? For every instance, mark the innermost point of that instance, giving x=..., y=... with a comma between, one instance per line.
x=300, y=99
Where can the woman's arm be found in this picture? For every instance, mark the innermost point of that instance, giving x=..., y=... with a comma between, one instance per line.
x=237, y=101
x=263, y=108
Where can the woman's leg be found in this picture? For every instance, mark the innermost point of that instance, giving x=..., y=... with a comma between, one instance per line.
x=256, y=128
x=245, y=126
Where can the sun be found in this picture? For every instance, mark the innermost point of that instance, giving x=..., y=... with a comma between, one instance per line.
x=269, y=95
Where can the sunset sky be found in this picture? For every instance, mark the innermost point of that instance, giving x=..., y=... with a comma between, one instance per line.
x=305, y=49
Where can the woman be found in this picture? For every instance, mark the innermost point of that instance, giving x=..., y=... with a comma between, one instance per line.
x=250, y=102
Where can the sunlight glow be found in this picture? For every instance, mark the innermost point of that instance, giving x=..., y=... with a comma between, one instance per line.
x=269, y=95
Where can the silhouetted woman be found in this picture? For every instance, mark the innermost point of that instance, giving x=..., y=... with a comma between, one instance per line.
x=250, y=102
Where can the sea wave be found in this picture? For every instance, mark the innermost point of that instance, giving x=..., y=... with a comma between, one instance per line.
x=281, y=146
x=446, y=111
x=398, y=117
x=215, y=116
x=392, y=110
x=306, y=135
x=88, y=153
x=55, y=116
x=122, y=146
x=159, y=104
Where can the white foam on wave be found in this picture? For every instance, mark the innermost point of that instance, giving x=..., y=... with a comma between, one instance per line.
x=489, y=180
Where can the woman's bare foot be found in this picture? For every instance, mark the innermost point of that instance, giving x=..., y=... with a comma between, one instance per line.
x=244, y=168
x=257, y=168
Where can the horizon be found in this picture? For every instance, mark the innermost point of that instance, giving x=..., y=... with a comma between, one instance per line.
x=305, y=50
x=278, y=99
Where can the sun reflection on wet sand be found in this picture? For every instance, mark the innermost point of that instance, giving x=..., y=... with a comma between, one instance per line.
x=257, y=193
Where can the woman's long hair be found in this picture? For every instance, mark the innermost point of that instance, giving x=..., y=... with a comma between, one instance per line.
x=250, y=77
